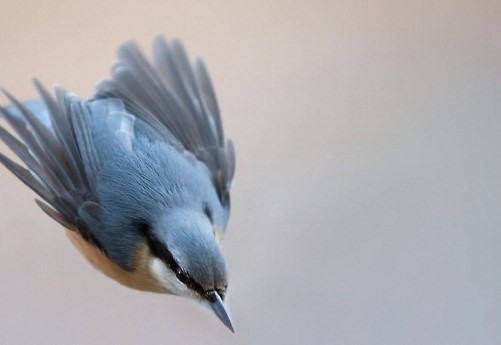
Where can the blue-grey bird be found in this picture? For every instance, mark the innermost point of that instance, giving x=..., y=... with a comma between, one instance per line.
x=139, y=174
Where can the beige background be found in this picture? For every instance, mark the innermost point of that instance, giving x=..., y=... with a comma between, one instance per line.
x=367, y=200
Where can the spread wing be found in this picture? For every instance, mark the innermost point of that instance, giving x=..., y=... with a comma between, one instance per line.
x=178, y=100
x=54, y=138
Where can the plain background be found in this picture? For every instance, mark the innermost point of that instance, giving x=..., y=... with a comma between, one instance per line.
x=367, y=199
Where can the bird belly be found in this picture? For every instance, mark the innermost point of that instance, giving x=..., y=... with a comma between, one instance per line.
x=140, y=278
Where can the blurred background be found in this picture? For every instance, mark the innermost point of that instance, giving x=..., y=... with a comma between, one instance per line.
x=367, y=199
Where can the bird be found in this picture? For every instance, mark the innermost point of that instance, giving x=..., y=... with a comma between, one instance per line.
x=139, y=174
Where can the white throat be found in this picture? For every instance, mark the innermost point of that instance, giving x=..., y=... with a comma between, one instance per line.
x=166, y=278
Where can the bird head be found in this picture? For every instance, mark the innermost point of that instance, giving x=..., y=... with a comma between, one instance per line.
x=187, y=259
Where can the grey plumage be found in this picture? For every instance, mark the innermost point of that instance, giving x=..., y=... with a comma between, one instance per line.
x=175, y=98
x=144, y=161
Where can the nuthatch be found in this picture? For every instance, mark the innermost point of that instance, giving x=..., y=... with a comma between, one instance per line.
x=139, y=174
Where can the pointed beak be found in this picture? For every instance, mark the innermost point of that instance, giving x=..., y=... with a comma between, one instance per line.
x=220, y=310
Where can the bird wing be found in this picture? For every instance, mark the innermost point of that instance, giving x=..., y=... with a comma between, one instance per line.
x=54, y=138
x=177, y=99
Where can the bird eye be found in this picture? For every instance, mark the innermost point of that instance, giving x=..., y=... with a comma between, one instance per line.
x=209, y=296
x=182, y=276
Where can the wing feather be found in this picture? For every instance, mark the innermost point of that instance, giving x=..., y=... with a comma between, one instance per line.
x=53, y=142
x=176, y=98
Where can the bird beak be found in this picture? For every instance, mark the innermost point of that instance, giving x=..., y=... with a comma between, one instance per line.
x=220, y=310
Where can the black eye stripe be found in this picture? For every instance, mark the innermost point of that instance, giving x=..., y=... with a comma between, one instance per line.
x=162, y=252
